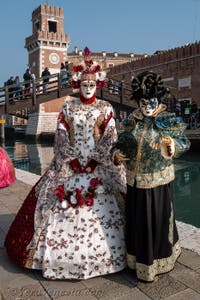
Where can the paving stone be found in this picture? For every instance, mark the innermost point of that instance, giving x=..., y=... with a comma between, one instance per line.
x=189, y=259
x=27, y=292
x=4, y=209
x=185, y=230
x=185, y=295
x=130, y=275
x=134, y=294
x=10, y=272
x=2, y=239
x=79, y=297
x=57, y=289
x=125, y=275
x=178, y=268
x=192, y=242
x=17, y=282
x=84, y=294
x=14, y=207
x=198, y=270
x=188, y=277
x=18, y=186
x=5, y=221
x=9, y=203
x=94, y=281
x=114, y=286
x=12, y=197
x=164, y=286
x=14, y=193
x=122, y=277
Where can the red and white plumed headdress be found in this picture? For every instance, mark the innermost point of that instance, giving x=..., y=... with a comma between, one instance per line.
x=88, y=70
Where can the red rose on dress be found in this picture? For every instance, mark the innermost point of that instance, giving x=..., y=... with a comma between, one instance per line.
x=76, y=166
x=60, y=192
x=104, y=123
x=79, y=197
x=90, y=166
x=61, y=119
x=89, y=201
x=95, y=181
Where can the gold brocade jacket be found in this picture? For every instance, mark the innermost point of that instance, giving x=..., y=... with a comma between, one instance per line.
x=148, y=166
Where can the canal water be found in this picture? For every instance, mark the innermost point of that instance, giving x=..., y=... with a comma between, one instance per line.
x=35, y=158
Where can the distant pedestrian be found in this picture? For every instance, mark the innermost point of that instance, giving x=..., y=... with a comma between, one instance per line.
x=32, y=79
x=69, y=71
x=17, y=87
x=63, y=75
x=177, y=108
x=110, y=86
x=116, y=89
x=45, y=74
x=67, y=65
x=27, y=79
x=10, y=83
x=192, y=122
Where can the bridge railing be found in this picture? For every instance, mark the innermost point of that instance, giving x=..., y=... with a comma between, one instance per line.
x=31, y=92
x=27, y=89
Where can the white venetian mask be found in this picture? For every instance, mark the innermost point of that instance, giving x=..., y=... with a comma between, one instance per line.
x=88, y=88
x=148, y=106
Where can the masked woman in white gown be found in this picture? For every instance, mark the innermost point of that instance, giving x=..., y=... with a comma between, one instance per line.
x=70, y=225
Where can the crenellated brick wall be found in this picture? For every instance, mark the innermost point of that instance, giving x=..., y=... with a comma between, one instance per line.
x=45, y=12
x=178, y=65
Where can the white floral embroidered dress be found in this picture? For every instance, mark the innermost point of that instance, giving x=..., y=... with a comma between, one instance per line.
x=79, y=227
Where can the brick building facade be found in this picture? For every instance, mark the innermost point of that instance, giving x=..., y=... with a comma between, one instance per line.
x=180, y=70
x=106, y=59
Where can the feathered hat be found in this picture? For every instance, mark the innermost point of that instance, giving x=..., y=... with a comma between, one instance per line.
x=148, y=85
x=88, y=70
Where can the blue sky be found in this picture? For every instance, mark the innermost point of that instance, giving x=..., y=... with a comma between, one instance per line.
x=126, y=26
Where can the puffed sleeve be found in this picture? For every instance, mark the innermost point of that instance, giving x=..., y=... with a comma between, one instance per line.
x=108, y=136
x=173, y=126
x=62, y=145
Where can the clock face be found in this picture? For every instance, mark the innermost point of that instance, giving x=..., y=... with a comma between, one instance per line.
x=54, y=58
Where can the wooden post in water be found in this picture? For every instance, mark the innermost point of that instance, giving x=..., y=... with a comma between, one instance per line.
x=6, y=99
x=2, y=128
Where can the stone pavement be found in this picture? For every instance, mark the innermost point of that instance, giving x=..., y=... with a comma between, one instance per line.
x=183, y=283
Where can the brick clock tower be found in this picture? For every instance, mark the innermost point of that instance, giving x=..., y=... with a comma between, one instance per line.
x=48, y=44
x=47, y=47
